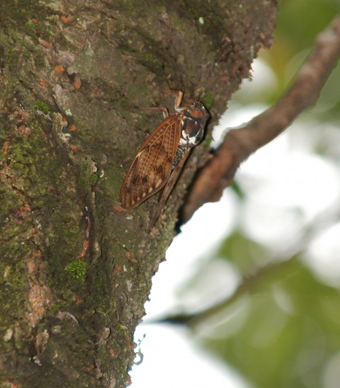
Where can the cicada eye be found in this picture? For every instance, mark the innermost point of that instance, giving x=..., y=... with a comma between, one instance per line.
x=192, y=131
x=197, y=111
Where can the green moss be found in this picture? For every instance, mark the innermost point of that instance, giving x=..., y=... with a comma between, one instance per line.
x=13, y=277
x=31, y=27
x=77, y=270
x=207, y=99
x=40, y=105
x=94, y=178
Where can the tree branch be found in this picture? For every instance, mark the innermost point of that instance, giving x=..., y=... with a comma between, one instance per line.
x=239, y=144
x=276, y=265
x=247, y=285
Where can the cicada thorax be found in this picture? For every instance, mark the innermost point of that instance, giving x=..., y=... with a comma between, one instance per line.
x=163, y=154
x=194, y=120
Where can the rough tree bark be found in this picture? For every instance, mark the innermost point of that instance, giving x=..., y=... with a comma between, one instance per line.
x=75, y=274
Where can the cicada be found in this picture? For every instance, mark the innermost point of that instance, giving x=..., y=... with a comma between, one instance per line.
x=160, y=159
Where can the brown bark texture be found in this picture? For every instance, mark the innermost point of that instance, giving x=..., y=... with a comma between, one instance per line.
x=74, y=77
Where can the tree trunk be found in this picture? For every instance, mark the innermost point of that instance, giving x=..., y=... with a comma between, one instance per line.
x=75, y=77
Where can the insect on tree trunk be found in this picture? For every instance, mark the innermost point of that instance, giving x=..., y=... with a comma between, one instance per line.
x=74, y=77
x=160, y=159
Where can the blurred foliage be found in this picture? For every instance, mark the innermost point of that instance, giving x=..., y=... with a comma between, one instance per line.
x=298, y=24
x=243, y=252
x=287, y=330
x=284, y=329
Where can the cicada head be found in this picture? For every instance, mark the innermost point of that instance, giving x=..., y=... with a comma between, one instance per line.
x=194, y=120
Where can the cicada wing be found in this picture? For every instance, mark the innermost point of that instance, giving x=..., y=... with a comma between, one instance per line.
x=168, y=188
x=152, y=165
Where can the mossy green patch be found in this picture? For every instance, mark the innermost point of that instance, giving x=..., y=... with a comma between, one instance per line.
x=94, y=178
x=31, y=27
x=77, y=270
x=207, y=99
x=40, y=105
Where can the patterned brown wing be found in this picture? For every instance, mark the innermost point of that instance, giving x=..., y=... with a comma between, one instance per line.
x=152, y=165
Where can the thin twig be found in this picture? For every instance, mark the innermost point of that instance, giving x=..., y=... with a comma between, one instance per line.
x=240, y=143
x=248, y=284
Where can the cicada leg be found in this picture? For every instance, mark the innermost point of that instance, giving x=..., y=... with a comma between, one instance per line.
x=164, y=110
x=178, y=101
x=177, y=106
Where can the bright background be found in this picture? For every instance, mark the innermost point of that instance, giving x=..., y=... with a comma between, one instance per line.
x=275, y=233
